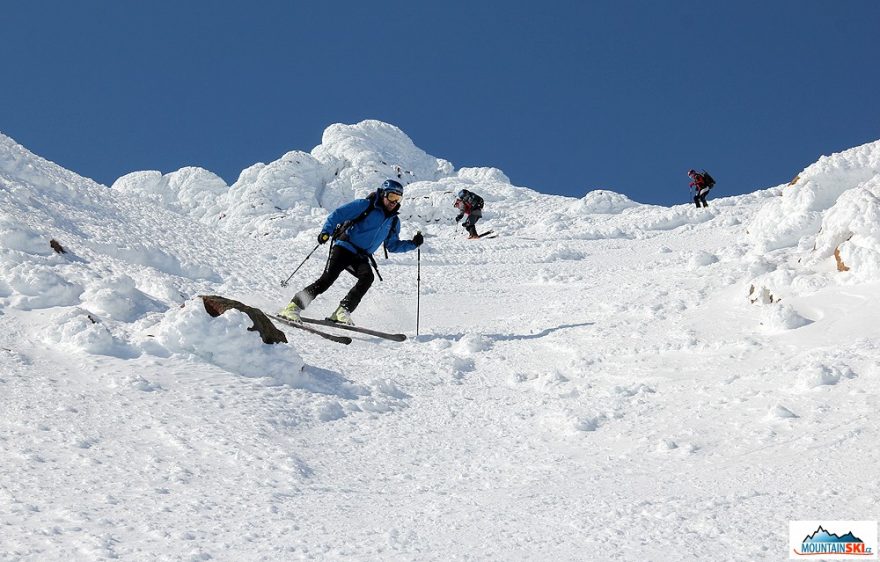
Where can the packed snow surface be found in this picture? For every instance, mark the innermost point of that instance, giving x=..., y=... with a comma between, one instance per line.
x=606, y=380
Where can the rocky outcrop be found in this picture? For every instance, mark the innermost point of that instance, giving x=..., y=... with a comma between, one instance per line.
x=840, y=265
x=57, y=247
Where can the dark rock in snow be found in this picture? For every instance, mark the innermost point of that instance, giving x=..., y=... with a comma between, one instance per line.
x=217, y=305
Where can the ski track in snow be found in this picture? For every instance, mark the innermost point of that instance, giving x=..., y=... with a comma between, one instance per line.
x=602, y=392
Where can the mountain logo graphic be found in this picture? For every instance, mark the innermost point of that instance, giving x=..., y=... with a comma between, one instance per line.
x=821, y=535
x=822, y=542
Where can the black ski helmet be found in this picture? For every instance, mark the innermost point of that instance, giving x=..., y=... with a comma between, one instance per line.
x=392, y=186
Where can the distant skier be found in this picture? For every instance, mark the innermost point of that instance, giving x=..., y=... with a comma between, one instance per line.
x=358, y=229
x=701, y=182
x=469, y=204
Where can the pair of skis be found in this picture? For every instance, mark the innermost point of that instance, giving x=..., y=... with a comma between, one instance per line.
x=345, y=340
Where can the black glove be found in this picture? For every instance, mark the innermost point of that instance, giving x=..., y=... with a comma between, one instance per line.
x=323, y=237
x=459, y=217
x=418, y=239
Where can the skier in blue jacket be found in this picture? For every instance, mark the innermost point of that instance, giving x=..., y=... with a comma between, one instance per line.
x=358, y=229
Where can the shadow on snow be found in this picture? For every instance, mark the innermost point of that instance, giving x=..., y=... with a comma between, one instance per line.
x=504, y=337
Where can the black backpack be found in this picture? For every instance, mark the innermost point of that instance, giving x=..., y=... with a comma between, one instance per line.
x=710, y=181
x=472, y=199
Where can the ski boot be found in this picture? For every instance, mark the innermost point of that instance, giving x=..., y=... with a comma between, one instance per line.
x=341, y=316
x=291, y=312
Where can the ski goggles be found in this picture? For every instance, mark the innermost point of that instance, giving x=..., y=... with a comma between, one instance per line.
x=393, y=197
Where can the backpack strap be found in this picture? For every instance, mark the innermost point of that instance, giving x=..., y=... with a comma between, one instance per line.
x=393, y=219
x=341, y=231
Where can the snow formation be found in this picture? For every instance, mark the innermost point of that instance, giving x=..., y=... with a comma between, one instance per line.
x=606, y=377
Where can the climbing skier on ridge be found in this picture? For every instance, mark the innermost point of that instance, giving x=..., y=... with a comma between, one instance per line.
x=701, y=184
x=469, y=204
x=358, y=229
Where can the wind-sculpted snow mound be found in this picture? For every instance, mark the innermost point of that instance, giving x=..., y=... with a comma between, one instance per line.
x=287, y=195
x=850, y=232
x=29, y=284
x=483, y=175
x=602, y=202
x=367, y=153
x=828, y=217
x=295, y=192
x=190, y=191
x=117, y=297
x=781, y=317
x=225, y=341
x=293, y=195
x=75, y=329
x=796, y=216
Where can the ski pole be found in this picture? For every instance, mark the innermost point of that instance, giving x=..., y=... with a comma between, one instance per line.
x=418, y=285
x=284, y=283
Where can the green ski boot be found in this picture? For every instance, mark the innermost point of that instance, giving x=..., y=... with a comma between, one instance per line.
x=341, y=316
x=291, y=312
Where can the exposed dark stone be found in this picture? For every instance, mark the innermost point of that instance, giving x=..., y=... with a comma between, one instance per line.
x=840, y=265
x=217, y=305
x=57, y=247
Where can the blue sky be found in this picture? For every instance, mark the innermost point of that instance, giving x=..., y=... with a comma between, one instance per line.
x=566, y=98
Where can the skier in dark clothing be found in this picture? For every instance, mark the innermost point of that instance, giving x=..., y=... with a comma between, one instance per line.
x=469, y=204
x=701, y=184
x=358, y=229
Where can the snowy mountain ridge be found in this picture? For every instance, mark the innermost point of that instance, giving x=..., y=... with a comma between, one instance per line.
x=652, y=372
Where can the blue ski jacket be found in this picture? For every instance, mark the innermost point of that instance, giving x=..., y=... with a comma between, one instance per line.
x=366, y=235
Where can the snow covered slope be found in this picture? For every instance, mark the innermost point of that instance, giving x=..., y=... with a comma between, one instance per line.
x=605, y=380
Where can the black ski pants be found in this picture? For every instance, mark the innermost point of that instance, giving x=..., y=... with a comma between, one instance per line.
x=470, y=223
x=339, y=261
